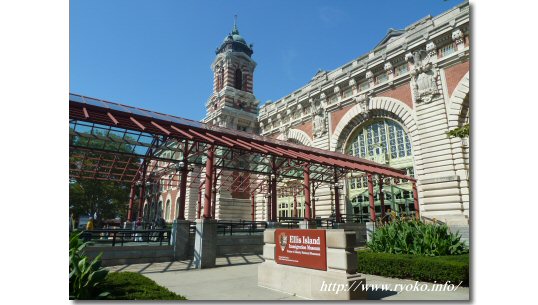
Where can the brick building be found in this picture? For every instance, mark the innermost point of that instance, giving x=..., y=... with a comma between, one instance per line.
x=393, y=105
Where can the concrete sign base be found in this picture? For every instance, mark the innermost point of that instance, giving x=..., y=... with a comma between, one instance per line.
x=339, y=282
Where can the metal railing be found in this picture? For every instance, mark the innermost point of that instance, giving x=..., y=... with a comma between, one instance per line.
x=245, y=227
x=115, y=237
x=290, y=222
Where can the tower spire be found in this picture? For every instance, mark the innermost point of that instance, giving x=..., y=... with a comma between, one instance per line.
x=235, y=30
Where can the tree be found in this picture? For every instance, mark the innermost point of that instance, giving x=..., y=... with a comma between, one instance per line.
x=106, y=198
x=109, y=199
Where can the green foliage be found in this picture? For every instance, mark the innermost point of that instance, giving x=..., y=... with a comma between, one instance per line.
x=461, y=132
x=134, y=286
x=85, y=276
x=454, y=268
x=109, y=199
x=418, y=238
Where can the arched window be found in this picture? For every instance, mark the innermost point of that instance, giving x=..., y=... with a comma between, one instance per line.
x=177, y=208
x=220, y=78
x=168, y=210
x=145, y=211
x=151, y=214
x=382, y=141
x=238, y=80
x=159, y=210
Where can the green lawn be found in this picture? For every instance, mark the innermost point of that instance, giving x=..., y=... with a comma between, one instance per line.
x=134, y=286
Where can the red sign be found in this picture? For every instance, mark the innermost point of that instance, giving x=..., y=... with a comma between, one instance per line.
x=301, y=248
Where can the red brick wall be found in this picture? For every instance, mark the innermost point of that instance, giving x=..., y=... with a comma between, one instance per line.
x=173, y=194
x=306, y=127
x=240, y=191
x=401, y=93
x=336, y=116
x=454, y=74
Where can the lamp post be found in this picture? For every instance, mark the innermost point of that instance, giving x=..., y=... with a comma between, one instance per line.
x=273, y=198
x=337, y=187
x=268, y=198
x=182, y=167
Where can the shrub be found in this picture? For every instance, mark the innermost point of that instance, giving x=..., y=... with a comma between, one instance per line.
x=134, y=286
x=415, y=237
x=441, y=269
x=85, y=276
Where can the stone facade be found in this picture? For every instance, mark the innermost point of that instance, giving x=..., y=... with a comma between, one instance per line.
x=416, y=79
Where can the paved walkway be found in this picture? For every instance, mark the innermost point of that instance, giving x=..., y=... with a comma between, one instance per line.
x=236, y=278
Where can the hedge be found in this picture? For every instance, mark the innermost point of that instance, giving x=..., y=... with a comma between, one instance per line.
x=454, y=268
x=134, y=286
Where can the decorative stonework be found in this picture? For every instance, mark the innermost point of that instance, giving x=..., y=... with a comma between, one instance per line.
x=370, y=76
x=388, y=68
x=431, y=48
x=355, y=116
x=363, y=100
x=336, y=89
x=297, y=135
x=319, y=127
x=457, y=36
x=409, y=57
x=423, y=77
x=456, y=101
x=284, y=131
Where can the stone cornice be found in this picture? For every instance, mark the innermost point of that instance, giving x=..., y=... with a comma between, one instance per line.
x=444, y=62
x=417, y=36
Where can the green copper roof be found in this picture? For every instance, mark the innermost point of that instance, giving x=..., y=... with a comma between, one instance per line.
x=235, y=42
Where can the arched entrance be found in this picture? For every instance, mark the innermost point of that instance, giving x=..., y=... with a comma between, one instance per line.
x=385, y=141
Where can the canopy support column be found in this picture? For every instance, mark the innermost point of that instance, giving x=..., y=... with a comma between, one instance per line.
x=142, y=191
x=273, y=199
x=273, y=191
x=371, y=197
x=199, y=201
x=253, y=204
x=381, y=198
x=131, y=203
x=268, y=196
x=306, y=185
x=294, y=205
x=183, y=183
x=337, y=198
x=208, y=181
x=214, y=194
x=313, y=201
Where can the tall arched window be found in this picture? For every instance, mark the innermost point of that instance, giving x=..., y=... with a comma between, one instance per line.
x=238, y=80
x=220, y=78
x=168, y=210
x=159, y=210
x=145, y=211
x=177, y=208
x=383, y=141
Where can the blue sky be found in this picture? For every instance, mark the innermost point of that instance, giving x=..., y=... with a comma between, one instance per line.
x=157, y=54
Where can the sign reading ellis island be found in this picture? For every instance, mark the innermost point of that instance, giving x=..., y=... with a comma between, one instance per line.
x=301, y=248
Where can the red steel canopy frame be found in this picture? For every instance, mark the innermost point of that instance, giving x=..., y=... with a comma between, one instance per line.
x=110, y=141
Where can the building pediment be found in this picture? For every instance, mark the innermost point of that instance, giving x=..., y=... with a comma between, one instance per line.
x=391, y=35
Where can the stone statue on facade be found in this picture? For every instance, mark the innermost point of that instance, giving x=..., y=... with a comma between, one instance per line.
x=318, y=121
x=423, y=77
x=363, y=100
x=284, y=131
